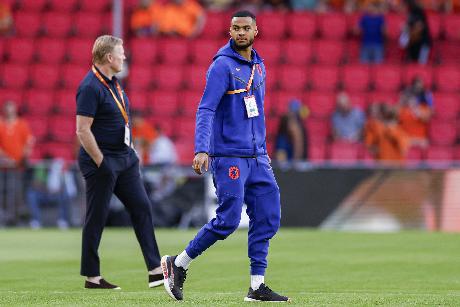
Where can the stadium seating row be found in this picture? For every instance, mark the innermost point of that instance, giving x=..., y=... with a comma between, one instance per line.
x=60, y=6
x=305, y=25
x=58, y=25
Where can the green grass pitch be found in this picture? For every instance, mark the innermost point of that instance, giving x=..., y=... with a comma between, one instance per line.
x=314, y=268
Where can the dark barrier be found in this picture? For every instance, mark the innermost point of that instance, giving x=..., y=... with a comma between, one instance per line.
x=308, y=197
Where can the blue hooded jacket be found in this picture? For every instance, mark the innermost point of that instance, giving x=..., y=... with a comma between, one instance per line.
x=222, y=124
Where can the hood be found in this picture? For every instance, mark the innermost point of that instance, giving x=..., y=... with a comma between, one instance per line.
x=229, y=51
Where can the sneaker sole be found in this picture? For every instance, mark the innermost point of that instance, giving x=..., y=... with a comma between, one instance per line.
x=248, y=299
x=164, y=268
x=154, y=284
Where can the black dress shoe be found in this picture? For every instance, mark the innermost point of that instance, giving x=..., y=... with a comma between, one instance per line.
x=155, y=280
x=101, y=285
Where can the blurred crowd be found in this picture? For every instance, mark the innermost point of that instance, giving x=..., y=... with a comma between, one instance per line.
x=387, y=129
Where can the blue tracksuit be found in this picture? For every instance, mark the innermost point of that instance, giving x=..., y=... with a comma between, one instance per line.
x=239, y=162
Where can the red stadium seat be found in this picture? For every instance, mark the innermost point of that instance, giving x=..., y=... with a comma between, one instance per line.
x=271, y=79
x=195, y=77
x=65, y=101
x=318, y=129
x=415, y=154
x=185, y=128
x=269, y=50
x=2, y=48
x=442, y=132
x=352, y=51
x=440, y=153
x=447, y=78
x=38, y=126
x=329, y=52
x=317, y=152
x=301, y=25
x=281, y=100
x=11, y=94
x=173, y=51
x=62, y=129
x=169, y=77
x=50, y=50
x=72, y=75
x=20, y=50
x=143, y=51
x=33, y=6
x=95, y=6
x=14, y=76
x=321, y=104
x=359, y=100
x=293, y=78
x=344, y=153
x=164, y=103
x=446, y=106
x=57, y=24
x=456, y=151
x=394, y=24
x=356, y=77
x=139, y=100
x=272, y=25
x=140, y=78
x=88, y=25
x=166, y=123
x=63, y=6
x=449, y=52
x=216, y=25
x=387, y=77
x=298, y=52
x=333, y=26
x=27, y=24
x=185, y=150
x=272, y=125
x=63, y=150
x=434, y=22
x=39, y=102
x=324, y=77
x=423, y=71
x=202, y=51
x=452, y=27
x=189, y=102
x=391, y=97
x=79, y=50
x=44, y=76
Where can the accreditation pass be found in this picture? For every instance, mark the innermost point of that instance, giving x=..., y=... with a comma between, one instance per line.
x=127, y=136
x=251, y=106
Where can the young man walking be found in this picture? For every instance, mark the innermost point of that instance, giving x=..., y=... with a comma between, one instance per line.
x=230, y=133
x=109, y=164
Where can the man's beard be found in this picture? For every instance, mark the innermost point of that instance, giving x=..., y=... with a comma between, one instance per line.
x=245, y=46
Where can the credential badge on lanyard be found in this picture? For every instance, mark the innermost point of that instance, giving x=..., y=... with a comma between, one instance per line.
x=250, y=100
x=121, y=106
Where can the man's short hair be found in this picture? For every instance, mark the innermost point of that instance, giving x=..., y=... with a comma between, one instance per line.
x=102, y=46
x=244, y=14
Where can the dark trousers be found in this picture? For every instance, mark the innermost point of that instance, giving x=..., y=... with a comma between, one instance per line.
x=119, y=175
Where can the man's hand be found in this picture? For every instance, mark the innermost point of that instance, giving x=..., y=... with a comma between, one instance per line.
x=98, y=161
x=201, y=159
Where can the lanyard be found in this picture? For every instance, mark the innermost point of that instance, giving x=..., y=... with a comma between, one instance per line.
x=248, y=87
x=121, y=105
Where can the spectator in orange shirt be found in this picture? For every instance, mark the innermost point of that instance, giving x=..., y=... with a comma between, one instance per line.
x=182, y=17
x=6, y=20
x=414, y=119
x=16, y=140
x=146, y=18
x=386, y=138
x=143, y=136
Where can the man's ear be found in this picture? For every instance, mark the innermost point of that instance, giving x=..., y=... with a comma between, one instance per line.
x=256, y=31
x=109, y=58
